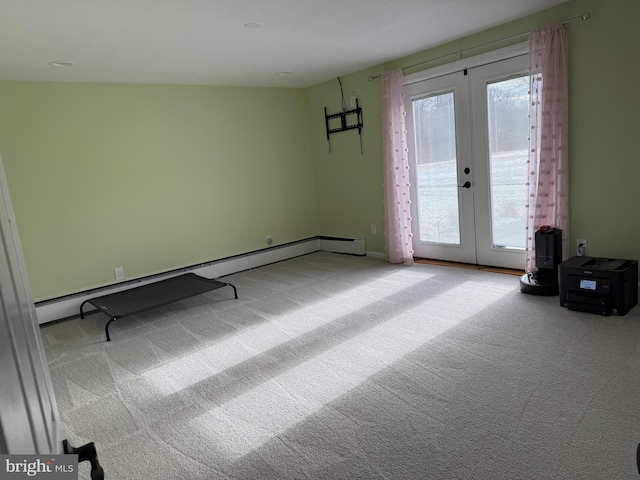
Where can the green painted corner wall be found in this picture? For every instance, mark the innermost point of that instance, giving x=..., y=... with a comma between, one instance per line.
x=348, y=179
x=151, y=177
x=156, y=177
x=604, y=102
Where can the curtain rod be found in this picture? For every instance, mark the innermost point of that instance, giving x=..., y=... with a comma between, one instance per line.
x=584, y=17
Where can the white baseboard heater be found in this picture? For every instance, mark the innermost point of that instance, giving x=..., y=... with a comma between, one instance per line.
x=69, y=306
x=351, y=246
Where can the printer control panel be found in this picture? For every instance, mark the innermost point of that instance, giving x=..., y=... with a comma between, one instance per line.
x=588, y=284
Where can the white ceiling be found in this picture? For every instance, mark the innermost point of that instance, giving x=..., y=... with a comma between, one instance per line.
x=205, y=41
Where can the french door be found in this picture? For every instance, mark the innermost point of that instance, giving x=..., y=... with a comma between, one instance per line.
x=468, y=138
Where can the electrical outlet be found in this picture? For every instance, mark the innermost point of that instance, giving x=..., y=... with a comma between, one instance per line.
x=374, y=229
x=269, y=240
x=119, y=273
x=353, y=102
x=581, y=247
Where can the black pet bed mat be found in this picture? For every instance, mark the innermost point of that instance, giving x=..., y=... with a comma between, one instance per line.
x=147, y=297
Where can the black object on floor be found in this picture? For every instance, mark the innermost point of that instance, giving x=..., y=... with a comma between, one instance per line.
x=544, y=281
x=153, y=295
x=88, y=453
x=540, y=283
x=604, y=286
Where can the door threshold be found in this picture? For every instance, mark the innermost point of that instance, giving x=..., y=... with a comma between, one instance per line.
x=484, y=268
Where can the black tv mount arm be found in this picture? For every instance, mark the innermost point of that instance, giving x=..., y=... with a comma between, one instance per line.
x=344, y=123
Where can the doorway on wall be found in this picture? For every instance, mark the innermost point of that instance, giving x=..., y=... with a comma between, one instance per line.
x=468, y=137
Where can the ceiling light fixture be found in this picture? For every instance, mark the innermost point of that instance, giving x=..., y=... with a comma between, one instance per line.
x=282, y=74
x=62, y=63
x=254, y=25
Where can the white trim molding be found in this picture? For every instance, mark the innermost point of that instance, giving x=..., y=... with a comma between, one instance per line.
x=69, y=306
x=471, y=62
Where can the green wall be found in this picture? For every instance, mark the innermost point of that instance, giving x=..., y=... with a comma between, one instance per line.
x=348, y=182
x=151, y=178
x=604, y=103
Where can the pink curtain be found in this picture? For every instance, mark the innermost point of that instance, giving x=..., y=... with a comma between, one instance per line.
x=548, y=182
x=397, y=201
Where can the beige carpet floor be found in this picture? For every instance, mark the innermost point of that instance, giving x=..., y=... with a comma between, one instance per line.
x=341, y=367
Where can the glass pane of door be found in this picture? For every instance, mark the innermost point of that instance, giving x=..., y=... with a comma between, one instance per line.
x=468, y=143
x=436, y=169
x=508, y=126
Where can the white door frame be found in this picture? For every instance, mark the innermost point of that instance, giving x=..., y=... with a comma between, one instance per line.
x=457, y=84
x=483, y=252
x=471, y=62
x=488, y=254
x=28, y=412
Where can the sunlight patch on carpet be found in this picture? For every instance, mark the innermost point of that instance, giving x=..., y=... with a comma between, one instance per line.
x=273, y=407
x=169, y=378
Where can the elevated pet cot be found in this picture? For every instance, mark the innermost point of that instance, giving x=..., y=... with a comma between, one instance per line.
x=147, y=297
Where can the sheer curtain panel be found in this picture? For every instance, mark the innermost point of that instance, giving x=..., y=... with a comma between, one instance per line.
x=548, y=181
x=397, y=199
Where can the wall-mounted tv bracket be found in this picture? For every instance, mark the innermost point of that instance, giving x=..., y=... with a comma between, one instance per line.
x=344, y=125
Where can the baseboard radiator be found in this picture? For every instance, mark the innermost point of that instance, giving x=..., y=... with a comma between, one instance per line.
x=69, y=306
x=351, y=246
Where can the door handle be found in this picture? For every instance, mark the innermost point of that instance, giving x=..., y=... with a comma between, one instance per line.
x=466, y=185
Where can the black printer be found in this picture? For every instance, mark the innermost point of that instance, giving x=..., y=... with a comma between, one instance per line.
x=598, y=285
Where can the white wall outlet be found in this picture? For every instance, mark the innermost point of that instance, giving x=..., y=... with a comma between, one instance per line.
x=374, y=229
x=269, y=240
x=119, y=272
x=581, y=247
x=353, y=102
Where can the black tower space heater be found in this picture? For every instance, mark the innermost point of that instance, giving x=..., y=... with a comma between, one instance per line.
x=548, y=257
